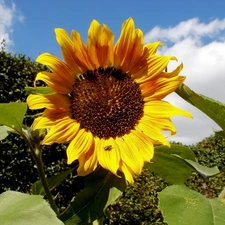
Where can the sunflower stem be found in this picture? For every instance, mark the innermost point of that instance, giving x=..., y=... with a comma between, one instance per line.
x=41, y=172
x=36, y=152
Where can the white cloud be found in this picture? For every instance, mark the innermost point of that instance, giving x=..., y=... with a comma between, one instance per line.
x=201, y=48
x=8, y=15
x=190, y=28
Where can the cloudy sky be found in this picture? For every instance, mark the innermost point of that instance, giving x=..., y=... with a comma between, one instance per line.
x=193, y=31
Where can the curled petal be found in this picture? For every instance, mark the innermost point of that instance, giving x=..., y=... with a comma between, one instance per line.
x=127, y=171
x=51, y=101
x=156, y=65
x=65, y=130
x=50, y=118
x=160, y=88
x=55, y=82
x=80, y=145
x=155, y=133
x=87, y=162
x=60, y=68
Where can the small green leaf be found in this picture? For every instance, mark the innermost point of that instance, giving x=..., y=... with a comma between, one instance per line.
x=22, y=209
x=12, y=115
x=38, y=90
x=169, y=167
x=37, y=188
x=212, y=108
x=183, y=206
x=203, y=170
x=102, y=188
x=4, y=132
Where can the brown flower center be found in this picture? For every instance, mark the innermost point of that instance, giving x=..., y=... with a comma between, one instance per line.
x=107, y=102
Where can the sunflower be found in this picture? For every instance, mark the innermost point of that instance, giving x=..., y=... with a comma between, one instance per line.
x=107, y=99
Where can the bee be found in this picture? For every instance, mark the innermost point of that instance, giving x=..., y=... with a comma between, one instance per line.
x=107, y=147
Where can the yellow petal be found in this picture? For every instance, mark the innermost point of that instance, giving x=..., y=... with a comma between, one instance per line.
x=108, y=154
x=172, y=73
x=64, y=131
x=160, y=88
x=51, y=101
x=162, y=109
x=55, y=82
x=156, y=65
x=152, y=47
x=66, y=44
x=161, y=123
x=128, y=173
x=87, y=162
x=154, y=133
x=124, y=43
x=144, y=144
x=50, y=118
x=130, y=154
x=80, y=53
x=134, y=59
x=58, y=66
x=81, y=144
x=100, y=45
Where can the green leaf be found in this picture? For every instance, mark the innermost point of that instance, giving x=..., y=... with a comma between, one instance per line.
x=102, y=188
x=222, y=193
x=38, y=90
x=183, y=206
x=22, y=209
x=169, y=167
x=4, y=132
x=203, y=170
x=212, y=108
x=12, y=114
x=38, y=189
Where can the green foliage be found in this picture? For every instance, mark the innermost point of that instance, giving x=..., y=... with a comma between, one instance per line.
x=101, y=189
x=212, y=108
x=211, y=151
x=166, y=162
x=22, y=209
x=4, y=132
x=38, y=189
x=12, y=114
x=138, y=205
x=203, y=170
x=17, y=72
x=183, y=206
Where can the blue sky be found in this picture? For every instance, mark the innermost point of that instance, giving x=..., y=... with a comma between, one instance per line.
x=36, y=33
x=194, y=31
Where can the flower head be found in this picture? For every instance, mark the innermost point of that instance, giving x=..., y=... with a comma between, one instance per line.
x=108, y=99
